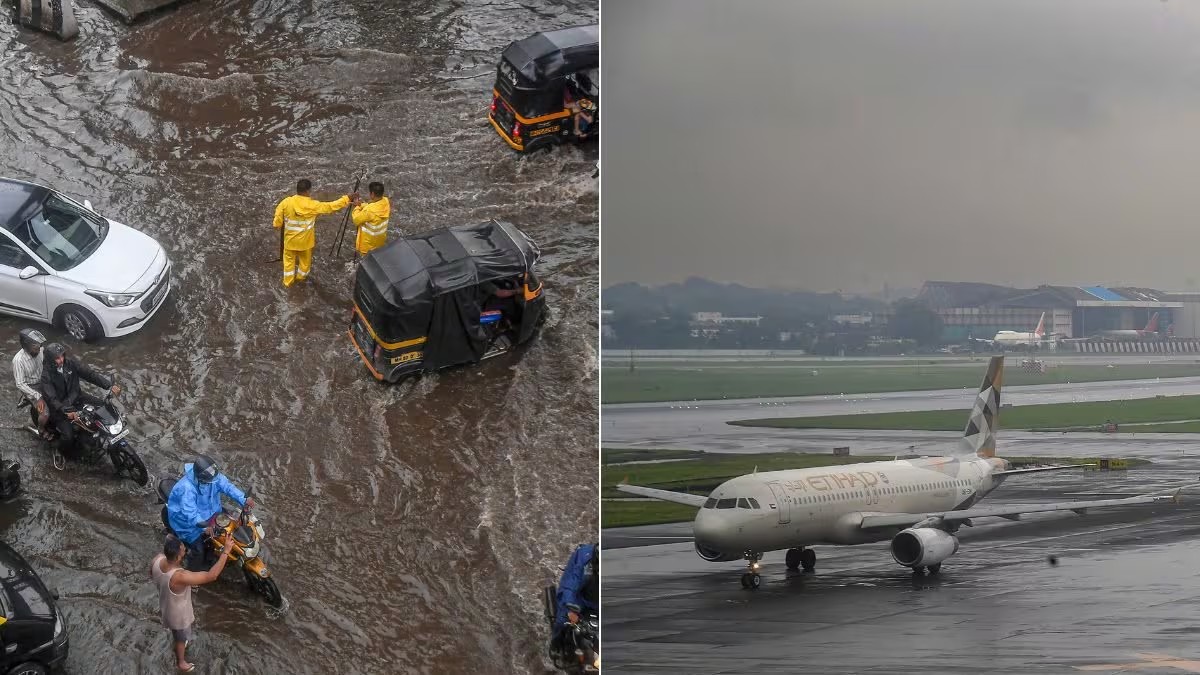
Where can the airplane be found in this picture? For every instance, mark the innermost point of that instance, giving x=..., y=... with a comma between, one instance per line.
x=1012, y=338
x=1150, y=331
x=919, y=503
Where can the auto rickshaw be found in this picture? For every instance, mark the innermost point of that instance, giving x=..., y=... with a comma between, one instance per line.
x=450, y=296
x=545, y=82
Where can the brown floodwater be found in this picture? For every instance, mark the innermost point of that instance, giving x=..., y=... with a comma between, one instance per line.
x=410, y=527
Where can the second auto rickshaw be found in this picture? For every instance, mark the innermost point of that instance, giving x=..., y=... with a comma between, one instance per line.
x=547, y=89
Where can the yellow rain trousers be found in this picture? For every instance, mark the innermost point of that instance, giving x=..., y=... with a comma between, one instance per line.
x=297, y=215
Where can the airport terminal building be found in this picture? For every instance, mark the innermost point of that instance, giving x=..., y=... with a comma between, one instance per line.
x=1075, y=315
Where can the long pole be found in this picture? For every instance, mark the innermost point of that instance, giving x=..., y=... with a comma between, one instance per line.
x=346, y=218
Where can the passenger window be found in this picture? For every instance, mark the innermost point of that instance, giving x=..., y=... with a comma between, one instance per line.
x=11, y=255
x=754, y=503
x=726, y=503
x=742, y=503
x=710, y=503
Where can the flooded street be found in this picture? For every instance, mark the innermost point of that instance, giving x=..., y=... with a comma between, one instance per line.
x=410, y=528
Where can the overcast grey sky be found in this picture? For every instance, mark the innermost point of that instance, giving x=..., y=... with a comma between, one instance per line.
x=850, y=143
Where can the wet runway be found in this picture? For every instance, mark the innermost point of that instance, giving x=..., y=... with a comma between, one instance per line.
x=411, y=528
x=1125, y=591
x=701, y=425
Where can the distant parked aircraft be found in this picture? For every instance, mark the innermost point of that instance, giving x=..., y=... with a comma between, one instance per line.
x=1012, y=338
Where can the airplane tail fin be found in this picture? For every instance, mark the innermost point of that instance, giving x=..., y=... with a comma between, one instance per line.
x=1041, y=327
x=979, y=437
x=1152, y=324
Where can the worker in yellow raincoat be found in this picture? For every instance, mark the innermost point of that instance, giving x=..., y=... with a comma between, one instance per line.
x=371, y=220
x=297, y=215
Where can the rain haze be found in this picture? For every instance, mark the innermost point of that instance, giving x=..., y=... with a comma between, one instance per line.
x=848, y=144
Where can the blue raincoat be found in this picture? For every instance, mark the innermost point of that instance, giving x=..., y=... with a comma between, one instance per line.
x=191, y=503
x=570, y=586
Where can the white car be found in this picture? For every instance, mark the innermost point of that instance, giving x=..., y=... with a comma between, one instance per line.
x=63, y=263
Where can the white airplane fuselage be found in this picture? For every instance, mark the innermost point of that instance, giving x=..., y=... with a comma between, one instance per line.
x=1008, y=337
x=825, y=505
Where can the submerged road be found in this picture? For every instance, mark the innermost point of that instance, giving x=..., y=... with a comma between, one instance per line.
x=1122, y=597
x=412, y=527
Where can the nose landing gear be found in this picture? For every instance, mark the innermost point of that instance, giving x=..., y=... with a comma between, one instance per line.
x=751, y=580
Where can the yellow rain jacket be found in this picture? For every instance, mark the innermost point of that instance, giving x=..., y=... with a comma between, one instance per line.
x=371, y=219
x=298, y=216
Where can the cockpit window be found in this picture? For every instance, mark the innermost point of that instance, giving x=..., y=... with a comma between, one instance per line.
x=727, y=503
x=742, y=503
x=710, y=503
x=754, y=504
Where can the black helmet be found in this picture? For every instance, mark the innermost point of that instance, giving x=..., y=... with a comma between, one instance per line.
x=54, y=350
x=205, y=468
x=31, y=338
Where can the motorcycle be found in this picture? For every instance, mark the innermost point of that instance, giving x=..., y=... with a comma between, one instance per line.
x=103, y=431
x=248, y=547
x=579, y=650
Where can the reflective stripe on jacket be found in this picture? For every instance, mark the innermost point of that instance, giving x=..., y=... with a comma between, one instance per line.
x=297, y=215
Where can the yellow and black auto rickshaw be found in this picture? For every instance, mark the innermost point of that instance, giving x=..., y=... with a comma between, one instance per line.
x=446, y=297
x=548, y=89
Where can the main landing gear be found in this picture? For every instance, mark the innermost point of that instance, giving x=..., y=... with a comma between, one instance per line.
x=933, y=569
x=801, y=557
x=751, y=580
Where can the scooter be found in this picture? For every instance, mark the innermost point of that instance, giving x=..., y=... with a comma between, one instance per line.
x=102, y=431
x=248, y=547
x=579, y=651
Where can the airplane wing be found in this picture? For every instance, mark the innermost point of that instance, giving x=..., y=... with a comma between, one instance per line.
x=665, y=495
x=872, y=521
x=1037, y=469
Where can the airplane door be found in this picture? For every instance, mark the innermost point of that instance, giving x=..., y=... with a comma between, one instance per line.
x=781, y=498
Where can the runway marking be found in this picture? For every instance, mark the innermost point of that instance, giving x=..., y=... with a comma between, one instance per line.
x=1148, y=661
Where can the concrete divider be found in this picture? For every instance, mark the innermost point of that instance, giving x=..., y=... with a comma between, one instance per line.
x=133, y=10
x=56, y=17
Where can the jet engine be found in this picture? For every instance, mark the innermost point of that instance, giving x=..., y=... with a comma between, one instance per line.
x=923, y=546
x=714, y=556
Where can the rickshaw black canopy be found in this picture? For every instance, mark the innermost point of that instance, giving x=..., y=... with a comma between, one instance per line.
x=400, y=287
x=544, y=57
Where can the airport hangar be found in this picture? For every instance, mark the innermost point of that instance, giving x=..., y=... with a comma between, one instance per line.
x=977, y=310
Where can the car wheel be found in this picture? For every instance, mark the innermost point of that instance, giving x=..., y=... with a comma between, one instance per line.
x=80, y=323
x=28, y=669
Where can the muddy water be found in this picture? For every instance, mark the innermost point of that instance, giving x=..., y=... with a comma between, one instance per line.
x=410, y=527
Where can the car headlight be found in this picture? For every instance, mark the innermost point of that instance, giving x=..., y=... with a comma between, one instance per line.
x=113, y=299
x=58, y=623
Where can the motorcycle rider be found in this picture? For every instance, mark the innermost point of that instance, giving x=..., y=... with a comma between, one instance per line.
x=578, y=589
x=193, y=503
x=60, y=388
x=27, y=372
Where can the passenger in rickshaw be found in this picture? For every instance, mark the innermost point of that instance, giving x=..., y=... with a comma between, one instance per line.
x=500, y=296
x=582, y=108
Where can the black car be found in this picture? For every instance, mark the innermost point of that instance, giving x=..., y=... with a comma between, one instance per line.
x=33, y=633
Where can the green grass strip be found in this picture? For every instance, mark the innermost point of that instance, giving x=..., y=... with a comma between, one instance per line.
x=708, y=382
